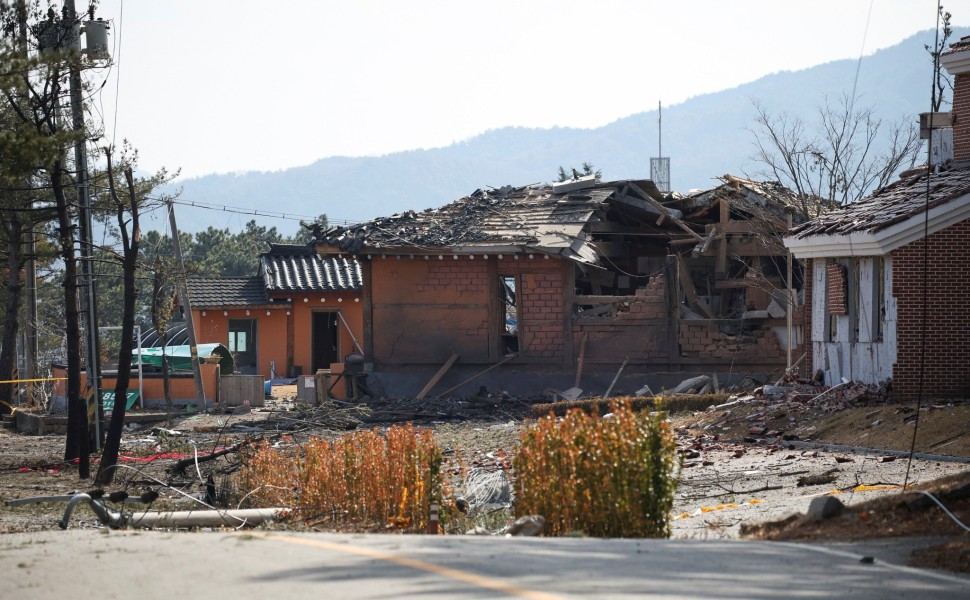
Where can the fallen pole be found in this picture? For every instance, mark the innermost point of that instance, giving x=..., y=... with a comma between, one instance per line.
x=615, y=379
x=205, y=518
x=477, y=375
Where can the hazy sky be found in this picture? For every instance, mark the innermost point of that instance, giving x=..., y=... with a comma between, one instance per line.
x=223, y=86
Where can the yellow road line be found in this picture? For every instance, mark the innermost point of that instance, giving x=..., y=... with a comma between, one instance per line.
x=420, y=565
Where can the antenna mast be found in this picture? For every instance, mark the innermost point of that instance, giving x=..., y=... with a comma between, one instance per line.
x=660, y=166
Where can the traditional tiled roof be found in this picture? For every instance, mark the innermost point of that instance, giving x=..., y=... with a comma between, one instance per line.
x=219, y=292
x=890, y=205
x=291, y=268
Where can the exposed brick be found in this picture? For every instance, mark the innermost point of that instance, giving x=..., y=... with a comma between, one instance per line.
x=947, y=339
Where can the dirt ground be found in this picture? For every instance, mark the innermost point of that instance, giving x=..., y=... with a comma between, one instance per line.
x=745, y=465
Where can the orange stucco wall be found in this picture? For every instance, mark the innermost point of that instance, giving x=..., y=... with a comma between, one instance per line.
x=348, y=305
x=182, y=388
x=213, y=327
x=272, y=328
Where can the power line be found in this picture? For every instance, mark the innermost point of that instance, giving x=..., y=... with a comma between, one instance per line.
x=121, y=22
x=256, y=212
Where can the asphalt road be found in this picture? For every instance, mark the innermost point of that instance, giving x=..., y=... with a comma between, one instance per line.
x=281, y=565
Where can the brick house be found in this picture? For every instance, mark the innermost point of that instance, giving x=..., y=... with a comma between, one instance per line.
x=301, y=312
x=566, y=282
x=888, y=282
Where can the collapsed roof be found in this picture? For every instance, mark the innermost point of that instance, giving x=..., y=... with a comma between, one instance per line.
x=557, y=218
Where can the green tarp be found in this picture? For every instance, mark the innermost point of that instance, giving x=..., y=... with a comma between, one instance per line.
x=179, y=358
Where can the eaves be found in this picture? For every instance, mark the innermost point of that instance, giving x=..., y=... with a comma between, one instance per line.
x=883, y=241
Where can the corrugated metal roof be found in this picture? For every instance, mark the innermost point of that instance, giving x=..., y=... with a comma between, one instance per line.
x=217, y=292
x=289, y=268
x=892, y=204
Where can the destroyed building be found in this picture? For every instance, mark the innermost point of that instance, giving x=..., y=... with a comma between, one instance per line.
x=887, y=284
x=564, y=283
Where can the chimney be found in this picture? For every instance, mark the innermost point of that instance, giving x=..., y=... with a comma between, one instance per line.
x=956, y=60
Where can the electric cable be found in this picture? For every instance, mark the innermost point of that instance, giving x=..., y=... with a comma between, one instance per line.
x=926, y=236
x=940, y=504
x=117, y=62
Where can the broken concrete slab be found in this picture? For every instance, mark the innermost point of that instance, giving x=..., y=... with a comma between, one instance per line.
x=690, y=384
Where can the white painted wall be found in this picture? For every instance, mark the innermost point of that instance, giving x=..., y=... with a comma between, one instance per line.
x=866, y=360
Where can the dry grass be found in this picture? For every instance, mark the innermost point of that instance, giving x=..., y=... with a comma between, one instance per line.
x=607, y=477
x=364, y=480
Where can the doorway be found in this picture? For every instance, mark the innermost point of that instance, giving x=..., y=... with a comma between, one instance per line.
x=325, y=340
x=242, y=344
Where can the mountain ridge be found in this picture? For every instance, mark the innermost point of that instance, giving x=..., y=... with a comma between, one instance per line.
x=705, y=136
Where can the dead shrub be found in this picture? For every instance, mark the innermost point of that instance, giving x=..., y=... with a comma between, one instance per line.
x=605, y=477
x=363, y=480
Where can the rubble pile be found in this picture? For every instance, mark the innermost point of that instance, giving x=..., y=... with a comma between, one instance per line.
x=483, y=404
x=775, y=412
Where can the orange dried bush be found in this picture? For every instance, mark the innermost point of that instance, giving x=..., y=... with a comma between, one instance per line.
x=367, y=478
x=604, y=477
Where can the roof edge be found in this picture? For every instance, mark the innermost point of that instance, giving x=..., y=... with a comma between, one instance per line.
x=883, y=241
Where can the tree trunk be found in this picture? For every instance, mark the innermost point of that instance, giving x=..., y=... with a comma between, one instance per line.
x=109, y=457
x=112, y=444
x=8, y=345
x=77, y=444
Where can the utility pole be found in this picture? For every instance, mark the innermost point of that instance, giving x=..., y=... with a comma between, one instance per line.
x=30, y=275
x=88, y=297
x=183, y=292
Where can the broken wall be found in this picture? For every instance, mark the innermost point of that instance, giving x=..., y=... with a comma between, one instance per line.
x=635, y=327
x=849, y=339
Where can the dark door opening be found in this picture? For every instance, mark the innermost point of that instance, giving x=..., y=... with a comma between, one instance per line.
x=325, y=340
x=242, y=344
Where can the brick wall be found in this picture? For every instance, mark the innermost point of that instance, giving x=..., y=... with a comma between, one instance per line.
x=703, y=339
x=835, y=290
x=651, y=304
x=638, y=330
x=459, y=277
x=947, y=340
x=541, y=314
x=961, y=118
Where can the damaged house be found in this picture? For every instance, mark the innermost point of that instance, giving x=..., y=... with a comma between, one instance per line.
x=887, y=284
x=564, y=283
x=301, y=312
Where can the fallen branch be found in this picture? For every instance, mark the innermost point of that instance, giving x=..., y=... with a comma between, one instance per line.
x=179, y=467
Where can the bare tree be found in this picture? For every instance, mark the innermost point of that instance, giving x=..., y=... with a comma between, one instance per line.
x=850, y=153
x=941, y=82
x=129, y=258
